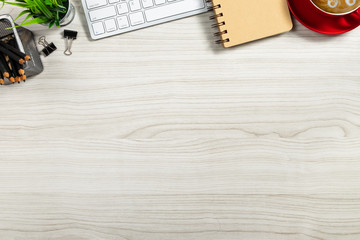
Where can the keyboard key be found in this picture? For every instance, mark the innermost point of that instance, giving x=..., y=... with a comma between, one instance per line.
x=123, y=22
x=102, y=13
x=147, y=3
x=159, y=2
x=172, y=9
x=122, y=8
x=95, y=3
x=135, y=5
x=98, y=28
x=110, y=25
x=114, y=1
x=137, y=18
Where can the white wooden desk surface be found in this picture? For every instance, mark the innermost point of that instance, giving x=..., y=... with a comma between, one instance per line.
x=161, y=135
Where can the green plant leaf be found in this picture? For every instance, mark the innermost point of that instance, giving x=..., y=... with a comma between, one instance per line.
x=42, y=11
x=57, y=20
x=23, y=5
x=22, y=13
x=51, y=24
x=34, y=21
x=42, y=7
x=28, y=16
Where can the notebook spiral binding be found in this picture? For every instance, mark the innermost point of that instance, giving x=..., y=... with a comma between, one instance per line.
x=219, y=24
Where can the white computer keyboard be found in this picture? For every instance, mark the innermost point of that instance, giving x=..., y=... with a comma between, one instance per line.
x=106, y=18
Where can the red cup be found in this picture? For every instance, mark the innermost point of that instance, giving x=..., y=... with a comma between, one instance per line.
x=357, y=10
x=306, y=12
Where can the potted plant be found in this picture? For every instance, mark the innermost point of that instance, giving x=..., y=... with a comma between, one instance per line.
x=48, y=12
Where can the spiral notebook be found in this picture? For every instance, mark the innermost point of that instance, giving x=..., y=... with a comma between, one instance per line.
x=241, y=21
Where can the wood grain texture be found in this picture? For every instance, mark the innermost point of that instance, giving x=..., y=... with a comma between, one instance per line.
x=180, y=189
x=160, y=134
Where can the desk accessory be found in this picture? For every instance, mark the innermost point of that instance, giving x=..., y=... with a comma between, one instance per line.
x=4, y=68
x=336, y=7
x=49, y=48
x=13, y=53
x=308, y=15
x=69, y=36
x=52, y=13
x=109, y=18
x=17, y=70
x=5, y=71
x=20, y=41
x=12, y=61
x=241, y=21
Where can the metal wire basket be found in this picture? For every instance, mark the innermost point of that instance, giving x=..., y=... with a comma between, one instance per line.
x=25, y=41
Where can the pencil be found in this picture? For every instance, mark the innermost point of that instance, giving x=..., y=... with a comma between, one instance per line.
x=12, y=73
x=23, y=78
x=12, y=46
x=12, y=42
x=1, y=78
x=12, y=79
x=4, y=68
x=10, y=63
x=18, y=79
x=19, y=68
x=12, y=55
x=16, y=68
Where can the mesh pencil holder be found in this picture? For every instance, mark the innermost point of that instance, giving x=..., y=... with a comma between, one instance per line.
x=25, y=42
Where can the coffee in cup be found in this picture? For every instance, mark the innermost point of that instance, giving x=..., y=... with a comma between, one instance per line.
x=337, y=7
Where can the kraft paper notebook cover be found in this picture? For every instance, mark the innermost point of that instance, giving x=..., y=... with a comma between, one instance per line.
x=241, y=21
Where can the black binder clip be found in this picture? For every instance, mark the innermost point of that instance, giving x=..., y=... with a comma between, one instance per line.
x=70, y=36
x=48, y=48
